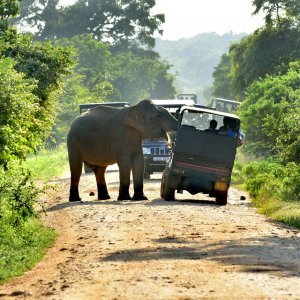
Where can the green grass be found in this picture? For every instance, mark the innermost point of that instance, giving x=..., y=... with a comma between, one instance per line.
x=48, y=164
x=22, y=248
x=268, y=188
x=287, y=212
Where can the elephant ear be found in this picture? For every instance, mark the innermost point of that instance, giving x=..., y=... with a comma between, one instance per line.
x=135, y=119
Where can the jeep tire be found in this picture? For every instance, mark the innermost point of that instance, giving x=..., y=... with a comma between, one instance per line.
x=166, y=190
x=221, y=197
x=163, y=185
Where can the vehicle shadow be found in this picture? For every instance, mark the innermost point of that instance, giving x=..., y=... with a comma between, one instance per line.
x=162, y=202
x=250, y=255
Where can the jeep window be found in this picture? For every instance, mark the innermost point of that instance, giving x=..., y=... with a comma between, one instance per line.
x=199, y=120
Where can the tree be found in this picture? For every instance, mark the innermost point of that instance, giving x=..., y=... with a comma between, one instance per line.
x=117, y=74
x=114, y=20
x=271, y=115
x=28, y=89
x=278, y=10
x=18, y=108
x=266, y=51
x=222, y=78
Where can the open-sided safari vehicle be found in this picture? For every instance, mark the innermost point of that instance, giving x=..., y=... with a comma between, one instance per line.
x=202, y=158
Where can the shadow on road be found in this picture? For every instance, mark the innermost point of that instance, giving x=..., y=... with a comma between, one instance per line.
x=162, y=202
x=64, y=205
x=155, y=202
x=252, y=255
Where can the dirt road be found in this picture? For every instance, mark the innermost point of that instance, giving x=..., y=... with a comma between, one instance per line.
x=187, y=249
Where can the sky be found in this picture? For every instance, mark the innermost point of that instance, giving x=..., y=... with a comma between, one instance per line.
x=187, y=18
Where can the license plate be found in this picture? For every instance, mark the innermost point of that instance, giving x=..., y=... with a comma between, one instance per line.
x=160, y=158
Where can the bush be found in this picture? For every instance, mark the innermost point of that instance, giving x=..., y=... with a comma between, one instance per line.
x=23, y=238
x=275, y=189
x=18, y=196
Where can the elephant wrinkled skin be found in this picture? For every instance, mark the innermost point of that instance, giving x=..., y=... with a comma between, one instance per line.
x=106, y=135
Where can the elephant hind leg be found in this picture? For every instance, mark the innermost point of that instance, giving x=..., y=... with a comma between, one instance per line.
x=101, y=183
x=75, y=162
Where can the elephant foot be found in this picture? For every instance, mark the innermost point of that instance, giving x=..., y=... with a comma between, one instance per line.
x=139, y=197
x=169, y=198
x=74, y=194
x=124, y=197
x=103, y=197
x=75, y=199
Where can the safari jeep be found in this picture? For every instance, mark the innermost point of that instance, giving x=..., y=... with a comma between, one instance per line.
x=201, y=159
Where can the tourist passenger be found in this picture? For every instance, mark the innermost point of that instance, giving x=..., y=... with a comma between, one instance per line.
x=212, y=127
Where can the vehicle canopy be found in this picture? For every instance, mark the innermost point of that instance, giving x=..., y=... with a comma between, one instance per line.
x=187, y=96
x=86, y=106
x=225, y=105
x=172, y=105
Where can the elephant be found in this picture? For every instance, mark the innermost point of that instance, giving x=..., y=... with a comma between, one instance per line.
x=106, y=135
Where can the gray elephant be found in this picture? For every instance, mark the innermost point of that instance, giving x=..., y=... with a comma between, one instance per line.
x=106, y=135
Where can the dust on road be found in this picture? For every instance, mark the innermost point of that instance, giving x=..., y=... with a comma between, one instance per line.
x=187, y=249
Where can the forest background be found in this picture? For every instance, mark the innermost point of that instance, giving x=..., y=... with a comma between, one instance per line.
x=105, y=51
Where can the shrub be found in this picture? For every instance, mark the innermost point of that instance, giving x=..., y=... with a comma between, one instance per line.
x=18, y=196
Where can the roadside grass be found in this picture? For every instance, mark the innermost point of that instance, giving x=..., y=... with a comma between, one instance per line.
x=287, y=212
x=21, y=249
x=24, y=239
x=274, y=189
x=48, y=164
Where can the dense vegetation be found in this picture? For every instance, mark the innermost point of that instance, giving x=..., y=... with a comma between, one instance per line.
x=263, y=71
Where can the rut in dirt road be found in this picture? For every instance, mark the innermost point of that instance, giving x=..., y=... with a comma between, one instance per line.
x=187, y=249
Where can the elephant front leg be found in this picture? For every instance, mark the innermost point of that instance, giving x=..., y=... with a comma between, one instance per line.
x=101, y=183
x=138, y=177
x=124, y=173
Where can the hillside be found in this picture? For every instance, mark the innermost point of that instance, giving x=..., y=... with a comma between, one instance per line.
x=194, y=59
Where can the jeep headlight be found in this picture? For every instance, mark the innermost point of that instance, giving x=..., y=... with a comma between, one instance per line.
x=146, y=150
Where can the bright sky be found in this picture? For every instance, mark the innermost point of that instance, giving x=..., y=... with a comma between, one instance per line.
x=187, y=18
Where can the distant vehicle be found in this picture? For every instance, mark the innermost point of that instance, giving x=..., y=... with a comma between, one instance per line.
x=156, y=151
x=225, y=105
x=187, y=97
x=84, y=107
x=201, y=159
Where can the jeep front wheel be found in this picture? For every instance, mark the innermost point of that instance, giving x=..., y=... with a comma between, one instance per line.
x=163, y=185
x=169, y=191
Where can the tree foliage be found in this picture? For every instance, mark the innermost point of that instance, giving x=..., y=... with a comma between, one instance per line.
x=114, y=20
x=17, y=114
x=271, y=116
x=266, y=51
x=222, y=78
x=30, y=77
x=277, y=10
x=115, y=74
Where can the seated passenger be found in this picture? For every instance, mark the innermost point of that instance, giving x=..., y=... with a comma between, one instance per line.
x=230, y=128
x=212, y=127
